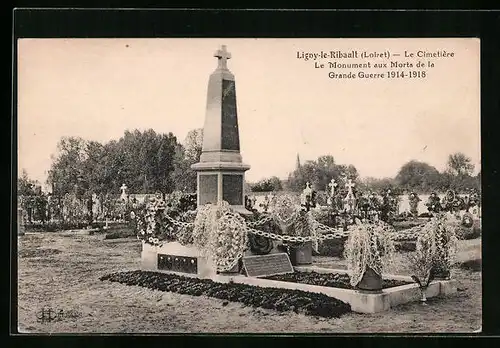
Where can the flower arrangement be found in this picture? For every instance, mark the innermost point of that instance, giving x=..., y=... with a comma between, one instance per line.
x=154, y=220
x=421, y=262
x=149, y=225
x=285, y=209
x=435, y=250
x=303, y=226
x=442, y=230
x=465, y=226
x=221, y=235
x=369, y=247
x=178, y=203
x=293, y=220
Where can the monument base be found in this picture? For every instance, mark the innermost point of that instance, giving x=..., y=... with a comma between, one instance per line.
x=175, y=258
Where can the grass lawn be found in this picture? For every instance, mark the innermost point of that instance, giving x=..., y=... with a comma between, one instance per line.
x=62, y=271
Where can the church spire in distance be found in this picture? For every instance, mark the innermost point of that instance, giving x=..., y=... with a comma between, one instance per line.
x=297, y=164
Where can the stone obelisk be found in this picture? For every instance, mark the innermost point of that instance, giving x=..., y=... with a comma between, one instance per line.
x=221, y=172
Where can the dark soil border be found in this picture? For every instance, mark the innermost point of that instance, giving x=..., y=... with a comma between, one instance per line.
x=331, y=280
x=474, y=265
x=270, y=298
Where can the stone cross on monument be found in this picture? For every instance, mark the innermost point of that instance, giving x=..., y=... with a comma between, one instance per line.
x=223, y=56
x=221, y=172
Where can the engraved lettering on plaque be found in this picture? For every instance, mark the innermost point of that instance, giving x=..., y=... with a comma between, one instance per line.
x=267, y=265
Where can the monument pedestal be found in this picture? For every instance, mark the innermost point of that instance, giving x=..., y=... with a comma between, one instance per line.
x=219, y=182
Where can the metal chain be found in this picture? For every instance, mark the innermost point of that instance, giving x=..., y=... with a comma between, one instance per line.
x=337, y=234
x=262, y=221
x=410, y=234
x=326, y=232
x=179, y=223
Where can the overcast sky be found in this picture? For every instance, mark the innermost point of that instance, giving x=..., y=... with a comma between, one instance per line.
x=98, y=88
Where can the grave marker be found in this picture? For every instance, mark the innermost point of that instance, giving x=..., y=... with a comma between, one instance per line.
x=267, y=265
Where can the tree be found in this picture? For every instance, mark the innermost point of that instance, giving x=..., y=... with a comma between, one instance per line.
x=193, y=145
x=270, y=184
x=93, y=167
x=66, y=171
x=377, y=185
x=186, y=155
x=418, y=176
x=319, y=173
x=459, y=164
x=25, y=185
x=144, y=161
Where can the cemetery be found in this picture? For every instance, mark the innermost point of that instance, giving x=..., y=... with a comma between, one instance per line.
x=295, y=254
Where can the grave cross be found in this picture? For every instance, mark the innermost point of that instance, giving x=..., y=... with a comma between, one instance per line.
x=223, y=55
x=332, y=185
x=349, y=184
x=123, y=188
x=305, y=197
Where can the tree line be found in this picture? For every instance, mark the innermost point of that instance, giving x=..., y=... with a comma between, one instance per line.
x=145, y=161
x=416, y=176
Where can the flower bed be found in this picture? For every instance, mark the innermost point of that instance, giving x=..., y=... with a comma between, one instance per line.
x=270, y=298
x=472, y=265
x=333, y=280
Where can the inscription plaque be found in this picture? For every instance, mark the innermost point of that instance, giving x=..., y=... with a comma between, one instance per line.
x=267, y=265
x=183, y=264
x=230, y=135
x=232, y=189
x=208, y=189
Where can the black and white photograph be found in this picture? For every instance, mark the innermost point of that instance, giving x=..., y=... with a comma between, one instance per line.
x=248, y=185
